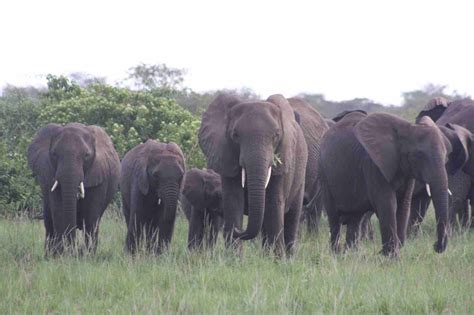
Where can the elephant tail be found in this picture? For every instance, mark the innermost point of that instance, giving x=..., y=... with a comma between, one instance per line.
x=316, y=201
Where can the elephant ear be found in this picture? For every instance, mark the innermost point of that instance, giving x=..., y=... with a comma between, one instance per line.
x=460, y=146
x=106, y=161
x=289, y=137
x=176, y=150
x=140, y=162
x=214, y=140
x=378, y=135
x=38, y=153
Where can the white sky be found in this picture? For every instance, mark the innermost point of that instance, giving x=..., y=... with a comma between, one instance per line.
x=343, y=49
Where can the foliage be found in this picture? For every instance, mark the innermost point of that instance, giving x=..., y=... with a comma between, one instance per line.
x=149, y=77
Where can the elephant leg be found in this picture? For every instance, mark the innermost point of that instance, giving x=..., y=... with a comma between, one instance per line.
x=196, y=228
x=353, y=230
x=49, y=228
x=134, y=234
x=152, y=235
x=386, y=206
x=403, y=210
x=334, y=223
x=91, y=209
x=366, y=228
x=233, y=204
x=273, y=219
x=215, y=225
x=166, y=228
x=463, y=214
x=135, y=222
x=313, y=217
x=291, y=224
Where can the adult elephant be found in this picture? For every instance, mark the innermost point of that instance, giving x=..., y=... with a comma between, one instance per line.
x=257, y=146
x=455, y=113
x=201, y=202
x=150, y=182
x=370, y=162
x=78, y=171
x=314, y=126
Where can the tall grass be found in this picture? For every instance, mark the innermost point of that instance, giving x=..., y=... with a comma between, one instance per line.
x=221, y=281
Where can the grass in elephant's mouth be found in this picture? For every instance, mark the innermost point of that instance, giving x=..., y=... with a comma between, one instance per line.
x=220, y=281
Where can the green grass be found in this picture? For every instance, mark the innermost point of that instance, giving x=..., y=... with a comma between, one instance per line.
x=220, y=281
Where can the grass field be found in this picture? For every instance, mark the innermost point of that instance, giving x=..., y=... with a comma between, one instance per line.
x=217, y=282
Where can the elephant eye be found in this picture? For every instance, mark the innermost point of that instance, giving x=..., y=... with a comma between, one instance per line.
x=235, y=136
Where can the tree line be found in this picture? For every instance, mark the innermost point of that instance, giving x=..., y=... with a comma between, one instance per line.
x=150, y=103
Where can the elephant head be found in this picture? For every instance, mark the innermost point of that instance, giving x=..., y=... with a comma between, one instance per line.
x=461, y=143
x=254, y=140
x=159, y=169
x=203, y=189
x=403, y=150
x=434, y=108
x=68, y=161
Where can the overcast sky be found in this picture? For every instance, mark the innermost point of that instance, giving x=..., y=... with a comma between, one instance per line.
x=343, y=49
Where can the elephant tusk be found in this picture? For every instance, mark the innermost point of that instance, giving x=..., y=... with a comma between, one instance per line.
x=82, y=192
x=243, y=177
x=428, y=191
x=54, y=185
x=268, y=177
x=449, y=192
x=159, y=201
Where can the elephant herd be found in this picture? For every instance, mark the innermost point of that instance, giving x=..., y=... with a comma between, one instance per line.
x=277, y=161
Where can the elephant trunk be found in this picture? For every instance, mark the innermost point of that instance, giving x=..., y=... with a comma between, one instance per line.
x=257, y=179
x=170, y=199
x=65, y=225
x=439, y=190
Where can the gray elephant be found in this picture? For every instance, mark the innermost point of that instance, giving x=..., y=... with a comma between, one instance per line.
x=370, y=162
x=314, y=126
x=201, y=202
x=78, y=171
x=456, y=113
x=150, y=182
x=259, y=149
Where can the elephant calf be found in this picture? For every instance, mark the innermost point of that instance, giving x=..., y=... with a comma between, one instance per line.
x=150, y=182
x=201, y=201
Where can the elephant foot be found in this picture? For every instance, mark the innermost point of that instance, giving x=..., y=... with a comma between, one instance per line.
x=440, y=247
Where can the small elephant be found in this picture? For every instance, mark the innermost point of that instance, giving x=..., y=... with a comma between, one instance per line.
x=78, y=171
x=370, y=163
x=150, y=182
x=201, y=201
x=260, y=151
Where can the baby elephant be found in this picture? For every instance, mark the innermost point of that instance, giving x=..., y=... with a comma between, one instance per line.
x=150, y=183
x=201, y=201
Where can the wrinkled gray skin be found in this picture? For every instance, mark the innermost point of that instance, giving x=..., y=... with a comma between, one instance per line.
x=456, y=113
x=371, y=162
x=314, y=126
x=256, y=137
x=150, y=182
x=201, y=201
x=72, y=155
